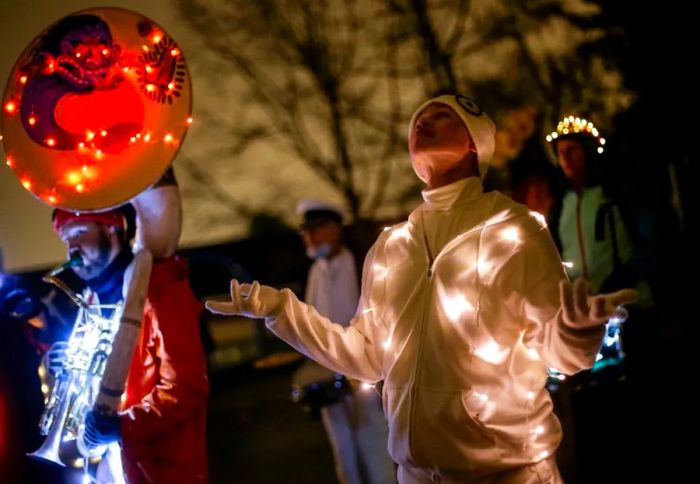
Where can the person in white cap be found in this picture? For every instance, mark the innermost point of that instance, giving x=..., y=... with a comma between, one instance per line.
x=355, y=423
x=463, y=308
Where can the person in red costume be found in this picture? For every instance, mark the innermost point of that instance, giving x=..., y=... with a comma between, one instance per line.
x=161, y=427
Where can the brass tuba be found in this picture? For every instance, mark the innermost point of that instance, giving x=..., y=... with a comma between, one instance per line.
x=76, y=385
x=86, y=139
x=98, y=357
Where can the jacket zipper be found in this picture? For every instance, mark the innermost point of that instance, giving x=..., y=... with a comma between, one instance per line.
x=417, y=366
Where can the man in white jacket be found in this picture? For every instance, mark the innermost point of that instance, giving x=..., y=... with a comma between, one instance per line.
x=463, y=308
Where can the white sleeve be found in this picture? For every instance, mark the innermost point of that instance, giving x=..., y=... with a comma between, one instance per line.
x=534, y=273
x=355, y=350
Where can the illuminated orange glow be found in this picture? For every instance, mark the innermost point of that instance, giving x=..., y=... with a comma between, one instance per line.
x=10, y=107
x=103, y=112
x=73, y=177
x=189, y=120
x=88, y=172
x=94, y=149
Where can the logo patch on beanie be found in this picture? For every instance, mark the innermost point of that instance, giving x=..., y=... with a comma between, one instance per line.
x=469, y=105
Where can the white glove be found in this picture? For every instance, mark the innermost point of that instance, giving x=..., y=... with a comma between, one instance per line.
x=250, y=300
x=581, y=311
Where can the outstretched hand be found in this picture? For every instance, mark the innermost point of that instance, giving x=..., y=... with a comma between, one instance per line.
x=581, y=311
x=250, y=300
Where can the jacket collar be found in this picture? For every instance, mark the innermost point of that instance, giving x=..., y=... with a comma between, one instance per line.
x=446, y=197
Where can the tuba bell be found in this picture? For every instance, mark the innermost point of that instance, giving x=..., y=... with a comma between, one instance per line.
x=88, y=138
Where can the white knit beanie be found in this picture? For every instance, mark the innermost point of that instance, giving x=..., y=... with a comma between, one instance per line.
x=481, y=128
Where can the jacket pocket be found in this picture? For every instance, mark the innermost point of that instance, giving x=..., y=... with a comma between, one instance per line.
x=477, y=407
x=447, y=436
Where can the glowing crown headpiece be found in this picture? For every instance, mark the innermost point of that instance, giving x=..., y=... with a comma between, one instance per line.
x=571, y=125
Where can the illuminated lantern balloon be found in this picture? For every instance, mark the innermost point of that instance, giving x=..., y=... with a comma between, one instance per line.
x=95, y=109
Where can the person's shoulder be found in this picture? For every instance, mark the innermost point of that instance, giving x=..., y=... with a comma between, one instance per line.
x=515, y=219
x=390, y=232
x=315, y=266
x=392, y=237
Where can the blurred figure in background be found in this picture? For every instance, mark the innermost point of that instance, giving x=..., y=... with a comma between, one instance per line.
x=587, y=223
x=535, y=192
x=353, y=419
x=602, y=240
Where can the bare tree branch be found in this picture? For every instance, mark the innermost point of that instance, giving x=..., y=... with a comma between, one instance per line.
x=329, y=81
x=213, y=189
